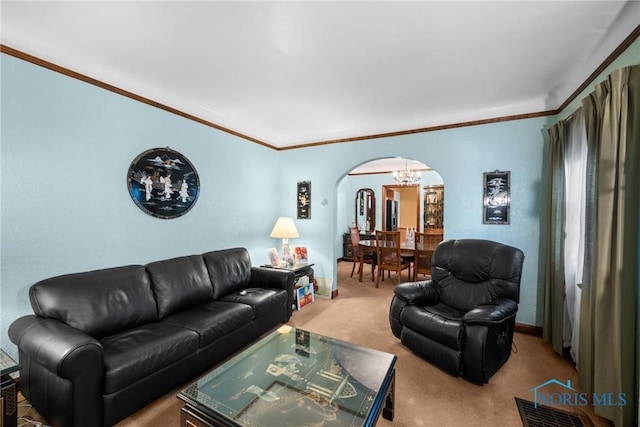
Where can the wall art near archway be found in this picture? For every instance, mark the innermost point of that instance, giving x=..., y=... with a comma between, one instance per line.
x=496, y=197
x=163, y=183
x=304, y=200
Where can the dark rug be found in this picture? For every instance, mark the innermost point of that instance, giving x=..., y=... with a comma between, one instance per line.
x=545, y=416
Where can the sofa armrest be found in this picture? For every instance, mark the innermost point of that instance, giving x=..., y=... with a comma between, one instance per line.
x=62, y=350
x=496, y=312
x=265, y=277
x=418, y=293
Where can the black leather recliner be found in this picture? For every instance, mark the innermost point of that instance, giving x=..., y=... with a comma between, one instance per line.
x=462, y=319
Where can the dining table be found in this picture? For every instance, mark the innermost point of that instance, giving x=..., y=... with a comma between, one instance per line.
x=407, y=248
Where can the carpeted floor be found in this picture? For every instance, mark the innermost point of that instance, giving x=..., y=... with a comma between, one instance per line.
x=425, y=396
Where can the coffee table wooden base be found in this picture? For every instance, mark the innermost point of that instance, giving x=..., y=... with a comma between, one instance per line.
x=389, y=401
x=191, y=417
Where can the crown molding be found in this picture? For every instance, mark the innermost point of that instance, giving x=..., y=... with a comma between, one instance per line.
x=73, y=74
x=427, y=129
x=82, y=77
x=617, y=52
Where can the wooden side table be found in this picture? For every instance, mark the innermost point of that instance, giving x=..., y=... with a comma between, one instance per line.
x=299, y=270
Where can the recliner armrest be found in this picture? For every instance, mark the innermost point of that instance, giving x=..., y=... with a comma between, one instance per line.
x=64, y=351
x=418, y=293
x=492, y=313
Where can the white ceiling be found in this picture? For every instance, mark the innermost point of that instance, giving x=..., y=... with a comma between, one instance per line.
x=297, y=72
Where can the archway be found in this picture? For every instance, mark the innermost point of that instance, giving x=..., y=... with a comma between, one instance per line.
x=429, y=190
x=377, y=174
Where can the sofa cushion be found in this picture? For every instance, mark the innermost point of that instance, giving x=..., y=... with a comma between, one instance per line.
x=137, y=353
x=229, y=270
x=180, y=283
x=98, y=303
x=438, y=322
x=263, y=301
x=212, y=320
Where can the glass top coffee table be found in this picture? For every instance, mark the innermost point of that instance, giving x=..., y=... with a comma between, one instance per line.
x=291, y=378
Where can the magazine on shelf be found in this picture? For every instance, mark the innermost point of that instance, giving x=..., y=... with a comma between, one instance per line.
x=304, y=295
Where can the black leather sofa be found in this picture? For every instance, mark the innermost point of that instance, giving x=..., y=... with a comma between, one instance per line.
x=462, y=319
x=105, y=343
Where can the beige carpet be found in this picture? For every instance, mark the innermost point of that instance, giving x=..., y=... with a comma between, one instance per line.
x=425, y=396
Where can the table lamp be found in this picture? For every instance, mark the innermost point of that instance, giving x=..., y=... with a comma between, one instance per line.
x=285, y=229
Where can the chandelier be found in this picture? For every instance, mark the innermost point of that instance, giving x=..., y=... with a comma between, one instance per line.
x=406, y=176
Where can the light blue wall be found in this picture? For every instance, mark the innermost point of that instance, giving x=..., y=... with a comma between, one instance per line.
x=66, y=148
x=460, y=156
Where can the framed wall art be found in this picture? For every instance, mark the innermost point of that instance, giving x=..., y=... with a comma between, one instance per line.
x=497, y=197
x=304, y=200
x=163, y=183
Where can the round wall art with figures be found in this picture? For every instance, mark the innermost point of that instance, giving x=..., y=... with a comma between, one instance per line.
x=163, y=183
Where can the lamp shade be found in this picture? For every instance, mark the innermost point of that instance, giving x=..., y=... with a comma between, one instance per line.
x=284, y=229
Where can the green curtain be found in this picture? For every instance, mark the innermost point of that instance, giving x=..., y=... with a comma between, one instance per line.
x=554, y=255
x=608, y=326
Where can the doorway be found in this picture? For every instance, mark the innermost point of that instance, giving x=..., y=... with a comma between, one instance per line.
x=401, y=207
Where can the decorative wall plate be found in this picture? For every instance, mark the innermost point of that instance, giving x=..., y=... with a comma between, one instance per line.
x=163, y=183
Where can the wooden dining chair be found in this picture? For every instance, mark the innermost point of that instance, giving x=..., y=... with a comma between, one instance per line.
x=369, y=255
x=389, y=255
x=425, y=245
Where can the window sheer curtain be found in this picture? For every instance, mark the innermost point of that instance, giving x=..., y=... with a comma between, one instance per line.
x=607, y=348
x=575, y=161
x=565, y=233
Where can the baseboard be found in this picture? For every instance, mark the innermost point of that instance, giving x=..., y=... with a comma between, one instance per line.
x=528, y=329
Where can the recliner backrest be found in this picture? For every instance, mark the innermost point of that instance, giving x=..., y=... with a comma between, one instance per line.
x=472, y=271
